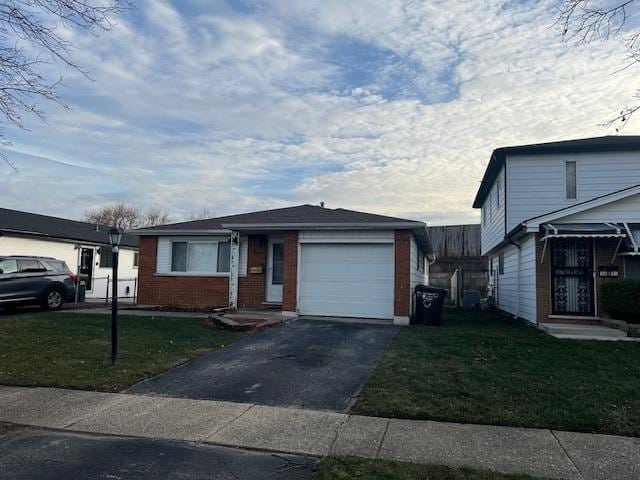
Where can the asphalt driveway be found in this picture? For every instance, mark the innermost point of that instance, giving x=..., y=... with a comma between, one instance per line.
x=54, y=455
x=305, y=364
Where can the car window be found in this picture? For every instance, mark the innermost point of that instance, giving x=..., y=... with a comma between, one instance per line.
x=56, y=265
x=30, y=266
x=9, y=266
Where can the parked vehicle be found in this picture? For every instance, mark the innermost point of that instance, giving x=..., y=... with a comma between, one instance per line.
x=44, y=281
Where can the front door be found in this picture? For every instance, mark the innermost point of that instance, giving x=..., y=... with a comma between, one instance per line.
x=275, y=271
x=572, y=276
x=86, y=267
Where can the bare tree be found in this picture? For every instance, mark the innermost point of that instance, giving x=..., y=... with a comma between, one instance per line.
x=31, y=35
x=584, y=21
x=127, y=216
x=201, y=214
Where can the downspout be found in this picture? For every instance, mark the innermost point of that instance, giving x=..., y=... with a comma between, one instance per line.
x=517, y=276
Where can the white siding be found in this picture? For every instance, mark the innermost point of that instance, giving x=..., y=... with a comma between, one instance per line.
x=346, y=236
x=417, y=276
x=66, y=251
x=536, y=183
x=492, y=226
x=516, y=287
x=625, y=210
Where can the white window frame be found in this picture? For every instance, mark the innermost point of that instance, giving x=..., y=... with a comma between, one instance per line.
x=189, y=273
x=133, y=260
x=564, y=176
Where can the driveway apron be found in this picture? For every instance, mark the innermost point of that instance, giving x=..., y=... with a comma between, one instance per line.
x=305, y=364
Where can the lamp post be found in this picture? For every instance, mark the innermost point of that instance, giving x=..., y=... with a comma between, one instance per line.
x=115, y=235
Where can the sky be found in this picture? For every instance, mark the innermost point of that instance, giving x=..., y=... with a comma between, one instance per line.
x=390, y=107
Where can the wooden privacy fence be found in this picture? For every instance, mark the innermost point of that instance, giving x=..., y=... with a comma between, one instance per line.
x=458, y=247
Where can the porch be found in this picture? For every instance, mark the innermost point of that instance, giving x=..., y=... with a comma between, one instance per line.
x=574, y=261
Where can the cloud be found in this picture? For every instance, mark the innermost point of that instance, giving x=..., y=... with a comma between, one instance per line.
x=385, y=106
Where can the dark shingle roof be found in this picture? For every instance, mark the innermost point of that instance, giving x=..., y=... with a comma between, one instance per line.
x=583, y=145
x=14, y=221
x=301, y=214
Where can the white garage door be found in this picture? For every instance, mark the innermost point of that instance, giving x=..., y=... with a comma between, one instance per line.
x=347, y=280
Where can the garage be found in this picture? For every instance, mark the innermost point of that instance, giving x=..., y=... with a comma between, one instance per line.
x=347, y=280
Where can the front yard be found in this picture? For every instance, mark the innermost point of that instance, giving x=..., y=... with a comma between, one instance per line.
x=71, y=350
x=489, y=369
x=332, y=468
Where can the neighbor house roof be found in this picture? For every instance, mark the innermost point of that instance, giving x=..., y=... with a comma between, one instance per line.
x=293, y=218
x=33, y=224
x=585, y=145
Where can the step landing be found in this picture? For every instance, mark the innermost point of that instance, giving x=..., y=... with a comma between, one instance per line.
x=583, y=332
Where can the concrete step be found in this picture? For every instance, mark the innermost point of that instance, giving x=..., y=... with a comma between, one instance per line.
x=574, y=330
x=595, y=337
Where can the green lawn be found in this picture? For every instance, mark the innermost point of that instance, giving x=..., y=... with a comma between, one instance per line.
x=355, y=468
x=487, y=368
x=72, y=350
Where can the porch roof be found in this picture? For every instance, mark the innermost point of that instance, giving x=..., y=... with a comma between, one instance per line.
x=584, y=230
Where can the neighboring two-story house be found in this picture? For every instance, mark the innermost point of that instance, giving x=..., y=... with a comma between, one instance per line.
x=557, y=220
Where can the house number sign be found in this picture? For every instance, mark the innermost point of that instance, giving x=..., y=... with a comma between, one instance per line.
x=608, y=271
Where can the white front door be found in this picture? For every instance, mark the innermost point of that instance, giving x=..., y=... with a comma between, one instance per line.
x=275, y=270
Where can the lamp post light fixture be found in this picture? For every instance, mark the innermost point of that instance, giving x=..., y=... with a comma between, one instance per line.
x=115, y=235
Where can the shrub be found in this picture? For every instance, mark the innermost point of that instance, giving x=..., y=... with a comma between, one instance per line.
x=621, y=299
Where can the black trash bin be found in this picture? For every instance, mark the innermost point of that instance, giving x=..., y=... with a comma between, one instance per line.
x=427, y=304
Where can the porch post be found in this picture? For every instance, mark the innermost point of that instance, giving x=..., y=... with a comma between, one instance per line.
x=234, y=262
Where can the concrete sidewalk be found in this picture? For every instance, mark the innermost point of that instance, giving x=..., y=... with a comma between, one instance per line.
x=543, y=453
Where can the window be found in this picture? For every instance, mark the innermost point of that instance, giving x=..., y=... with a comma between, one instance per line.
x=420, y=265
x=224, y=256
x=571, y=181
x=8, y=266
x=200, y=257
x=135, y=259
x=106, y=257
x=30, y=266
x=501, y=263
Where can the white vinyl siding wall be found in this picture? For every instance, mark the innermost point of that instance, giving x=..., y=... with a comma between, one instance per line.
x=347, y=236
x=518, y=295
x=163, y=254
x=625, y=210
x=536, y=183
x=492, y=231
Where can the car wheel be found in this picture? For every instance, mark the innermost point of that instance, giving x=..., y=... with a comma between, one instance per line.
x=54, y=299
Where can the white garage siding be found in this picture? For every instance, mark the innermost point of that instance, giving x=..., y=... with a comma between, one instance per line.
x=347, y=279
x=516, y=287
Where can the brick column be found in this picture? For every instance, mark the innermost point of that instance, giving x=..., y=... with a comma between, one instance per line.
x=251, y=288
x=290, y=274
x=402, y=293
x=146, y=268
x=605, y=248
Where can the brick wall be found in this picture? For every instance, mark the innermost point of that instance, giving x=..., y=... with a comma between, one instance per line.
x=290, y=274
x=605, y=249
x=200, y=292
x=251, y=289
x=402, y=273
